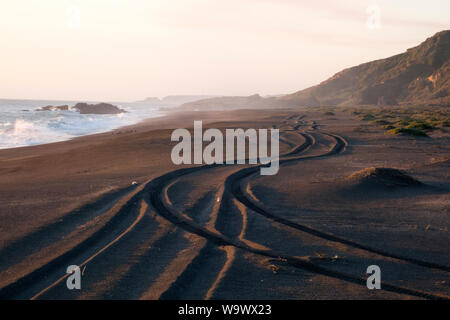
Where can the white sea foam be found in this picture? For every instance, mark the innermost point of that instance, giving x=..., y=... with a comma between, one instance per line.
x=26, y=133
x=21, y=125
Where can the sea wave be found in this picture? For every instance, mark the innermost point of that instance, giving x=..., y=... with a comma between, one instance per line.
x=19, y=127
x=25, y=133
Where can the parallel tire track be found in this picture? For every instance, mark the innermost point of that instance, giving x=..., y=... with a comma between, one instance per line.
x=38, y=280
x=158, y=202
x=129, y=215
x=238, y=191
x=155, y=192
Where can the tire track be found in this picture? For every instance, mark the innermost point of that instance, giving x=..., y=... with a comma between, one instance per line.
x=338, y=147
x=142, y=210
x=45, y=276
x=239, y=191
x=44, y=237
x=28, y=283
x=154, y=192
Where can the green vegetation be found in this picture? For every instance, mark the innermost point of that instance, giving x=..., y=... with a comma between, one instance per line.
x=380, y=122
x=367, y=117
x=411, y=131
x=420, y=125
x=404, y=122
x=415, y=121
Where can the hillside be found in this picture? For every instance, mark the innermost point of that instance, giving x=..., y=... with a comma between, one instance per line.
x=229, y=103
x=420, y=76
x=172, y=101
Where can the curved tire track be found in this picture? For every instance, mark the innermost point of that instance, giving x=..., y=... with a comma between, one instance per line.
x=123, y=222
x=234, y=183
x=45, y=276
x=155, y=192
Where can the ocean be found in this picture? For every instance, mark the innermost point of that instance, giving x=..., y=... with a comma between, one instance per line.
x=21, y=125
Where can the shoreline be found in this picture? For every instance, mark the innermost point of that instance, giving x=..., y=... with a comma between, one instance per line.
x=88, y=134
x=58, y=196
x=24, y=123
x=60, y=176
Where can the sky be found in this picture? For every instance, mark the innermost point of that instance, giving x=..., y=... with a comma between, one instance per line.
x=126, y=50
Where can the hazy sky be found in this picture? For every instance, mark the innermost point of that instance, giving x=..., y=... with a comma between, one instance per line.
x=124, y=50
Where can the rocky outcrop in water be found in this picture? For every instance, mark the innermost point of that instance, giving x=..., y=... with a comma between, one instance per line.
x=86, y=108
x=99, y=108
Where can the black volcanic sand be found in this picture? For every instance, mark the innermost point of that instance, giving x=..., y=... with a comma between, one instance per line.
x=225, y=232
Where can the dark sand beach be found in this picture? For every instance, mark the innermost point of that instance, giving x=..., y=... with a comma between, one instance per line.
x=348, y=195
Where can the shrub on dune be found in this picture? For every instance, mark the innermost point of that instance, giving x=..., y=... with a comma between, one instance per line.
x=409, y=131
